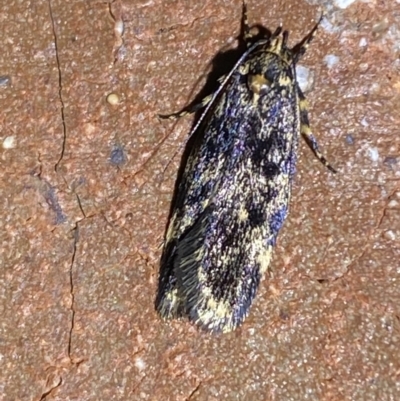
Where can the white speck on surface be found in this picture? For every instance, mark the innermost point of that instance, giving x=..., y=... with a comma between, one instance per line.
x=140, y=364
x=113, y=99
x=363, y=67
x=119, y=27
x=363, y=42
x=251, y=331
x=305, y=78
x=373, y=154
x=9, y=142
x=89, y=128
x=393, y=35
x=343, y=3
x=364, y=122
x=5, y=81
x=328, y=26
x=349, y=139
x=390, y=235
x=331, y=60
x=374, y=88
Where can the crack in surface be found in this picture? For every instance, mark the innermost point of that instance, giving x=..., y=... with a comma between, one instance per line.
x=383, y=212
x=80, y=205
x=76, y=229
x=71, y=283
x=50, y=390
x=196, y=389
x=60, y=87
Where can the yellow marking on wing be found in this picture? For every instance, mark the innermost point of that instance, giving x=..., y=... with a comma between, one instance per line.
x=303, y=104
x=243, y=214
x=264, y=258
x=258, y=82
x=284, y=80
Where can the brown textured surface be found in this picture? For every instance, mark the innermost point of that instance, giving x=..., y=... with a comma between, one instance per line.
x=84, y=203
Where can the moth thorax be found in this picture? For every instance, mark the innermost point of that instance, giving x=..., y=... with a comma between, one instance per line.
x=258, y=83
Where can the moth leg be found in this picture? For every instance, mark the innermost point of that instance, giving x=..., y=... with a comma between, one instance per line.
x=245, y=25
x=308, y=135
x=198, y=106
x=189, y=109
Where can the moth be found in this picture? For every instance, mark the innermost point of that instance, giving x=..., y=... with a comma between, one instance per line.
x=234, y=192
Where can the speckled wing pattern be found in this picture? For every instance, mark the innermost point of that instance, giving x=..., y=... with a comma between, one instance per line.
x=234, y=193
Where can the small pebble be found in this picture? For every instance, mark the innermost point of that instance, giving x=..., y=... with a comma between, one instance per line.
x=343, y=3
x=9, y=142
x=5, y=80
x=119, y=28
x=117, y=156
x=331, y=60
x=113, y=99
x=373, y=154
x=363, y=42
x=305, y=78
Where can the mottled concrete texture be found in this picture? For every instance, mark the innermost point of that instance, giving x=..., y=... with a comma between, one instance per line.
x=86, y=180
